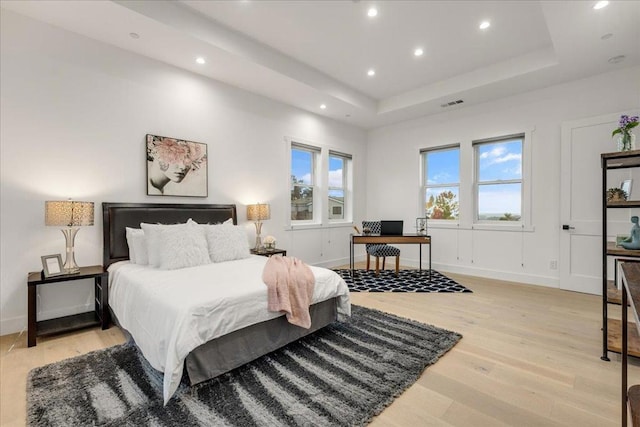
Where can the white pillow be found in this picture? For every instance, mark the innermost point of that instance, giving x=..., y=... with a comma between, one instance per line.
x=137, y=242
x=227, y=221
x=226, y=242
x=176, y=246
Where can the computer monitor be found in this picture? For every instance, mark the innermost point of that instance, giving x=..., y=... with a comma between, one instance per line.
x=391, y=228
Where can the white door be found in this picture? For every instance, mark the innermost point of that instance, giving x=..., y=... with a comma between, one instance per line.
x=582, y=142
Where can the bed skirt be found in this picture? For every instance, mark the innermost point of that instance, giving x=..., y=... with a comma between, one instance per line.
x=237, y=348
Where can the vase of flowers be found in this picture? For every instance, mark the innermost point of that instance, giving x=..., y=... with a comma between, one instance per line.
x=269, y=243
x=626, y=138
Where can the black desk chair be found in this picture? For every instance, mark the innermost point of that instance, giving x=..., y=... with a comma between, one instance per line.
x=379, y=250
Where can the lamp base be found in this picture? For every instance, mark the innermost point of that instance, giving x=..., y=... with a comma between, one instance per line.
x=258, y=238
x=70, y=266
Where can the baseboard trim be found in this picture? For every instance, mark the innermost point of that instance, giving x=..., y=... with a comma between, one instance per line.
x=17, y=324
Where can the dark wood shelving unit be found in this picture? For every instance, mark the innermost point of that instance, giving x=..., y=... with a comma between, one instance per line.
x=630, y=396
x=614, y=295
x=614, y=340
x=611, y=328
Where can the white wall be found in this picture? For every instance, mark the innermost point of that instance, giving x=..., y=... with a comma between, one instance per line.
x=74, y=114
x=521, y=256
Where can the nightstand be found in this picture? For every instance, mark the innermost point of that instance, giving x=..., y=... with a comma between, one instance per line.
x=100, y=315
x=269, y=252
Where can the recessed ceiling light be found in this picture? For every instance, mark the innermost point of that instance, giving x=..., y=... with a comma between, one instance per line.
x=484, y=25
x=418, y=52
x=323, y=106
x=601, y=4
x=200, y=60
x=616, y=59
x=371, y=72
x=372, y=12
x=134, y=35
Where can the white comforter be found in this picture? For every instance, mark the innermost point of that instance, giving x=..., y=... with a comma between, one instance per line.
x=171, y=312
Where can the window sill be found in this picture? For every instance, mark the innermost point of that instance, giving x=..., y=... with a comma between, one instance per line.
x=503, y=227
x=314, y=226
x=485, y=227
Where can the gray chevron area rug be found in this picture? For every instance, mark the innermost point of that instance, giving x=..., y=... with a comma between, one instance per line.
x=342, y=375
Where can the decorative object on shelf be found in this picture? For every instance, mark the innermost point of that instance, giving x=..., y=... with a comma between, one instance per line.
x=626, y=187
x=269, y=243
x=421, y=226
x=69, y=214
x=176, y=167
x=258, y=213
x=626, y=139
x=52, y=265
x=633, y=241
x=616, y=195
x=621, y=238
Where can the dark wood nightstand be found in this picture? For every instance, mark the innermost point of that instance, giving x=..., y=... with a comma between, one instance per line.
x=100, y=315
x=269, y=252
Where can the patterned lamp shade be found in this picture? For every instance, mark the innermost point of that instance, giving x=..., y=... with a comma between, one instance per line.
x=68, y=213
x=258, y=212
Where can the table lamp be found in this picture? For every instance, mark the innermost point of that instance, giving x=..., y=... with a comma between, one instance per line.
x=69, y=214
x=257, y=213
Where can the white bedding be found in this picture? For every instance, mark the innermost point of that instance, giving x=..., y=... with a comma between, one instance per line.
x=171, y=312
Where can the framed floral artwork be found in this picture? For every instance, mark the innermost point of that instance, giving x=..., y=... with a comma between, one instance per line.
x=176, y=167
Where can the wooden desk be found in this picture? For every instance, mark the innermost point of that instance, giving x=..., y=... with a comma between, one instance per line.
x=412, y=239
x=631, y=295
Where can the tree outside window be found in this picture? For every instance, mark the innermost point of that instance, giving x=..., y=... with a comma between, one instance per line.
x=302, y=183
x=441, y=183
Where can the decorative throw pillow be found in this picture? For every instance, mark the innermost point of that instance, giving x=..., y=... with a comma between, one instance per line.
x=227, y=242
x=137, y=246
x=176, y=246
x=227, y=221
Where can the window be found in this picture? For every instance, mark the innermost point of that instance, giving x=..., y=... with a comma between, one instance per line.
x=320, y=185
x=441, y=183
x=303, y=181
x=498, y=180
x=338, y=184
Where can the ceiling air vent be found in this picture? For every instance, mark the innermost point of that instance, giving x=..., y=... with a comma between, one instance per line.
x=449, y=104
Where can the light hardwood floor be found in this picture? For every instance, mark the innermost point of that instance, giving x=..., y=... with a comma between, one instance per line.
x=530, y=356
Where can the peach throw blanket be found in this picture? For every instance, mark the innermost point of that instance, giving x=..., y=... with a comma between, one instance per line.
x=290, y=284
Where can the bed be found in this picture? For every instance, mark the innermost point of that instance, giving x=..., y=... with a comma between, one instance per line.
x=214, y=334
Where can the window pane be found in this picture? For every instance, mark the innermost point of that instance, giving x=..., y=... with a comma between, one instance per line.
x=500, y=160
x=301, y=166
x=301, y=202
x=336, y=166
x=442, y=203
x=443, y=167
x=500, y=202
x=336, y=204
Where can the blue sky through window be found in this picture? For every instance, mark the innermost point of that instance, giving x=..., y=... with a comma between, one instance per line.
x=443, y=167
x=301, y=165
x=500, y=161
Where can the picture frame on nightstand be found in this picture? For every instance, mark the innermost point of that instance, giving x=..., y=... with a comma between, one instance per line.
x=52, y=265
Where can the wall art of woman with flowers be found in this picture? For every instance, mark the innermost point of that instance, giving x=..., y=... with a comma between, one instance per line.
x=176, y=167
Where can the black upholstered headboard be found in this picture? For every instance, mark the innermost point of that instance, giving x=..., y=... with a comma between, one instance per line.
x=117, y=216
